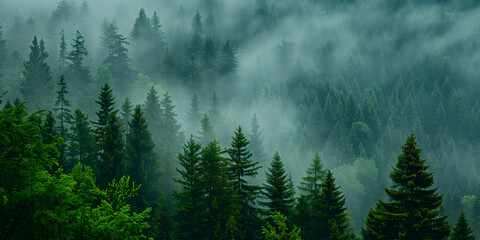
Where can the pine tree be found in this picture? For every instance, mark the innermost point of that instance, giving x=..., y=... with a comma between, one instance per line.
x=158, y=41
x=142, y=27
x=112, y=150
x=36, y=85
x=127, y=109
x=154, y=114
x=190, y=213
x=207, y=133
x=214, y=109
x=217, y=190
x=82, y=141
x=311, y=184
x=64, y=13
x=197, y=32
x=192, y=75
x=170, y=134
x=161, y=225
x=209, y=53
x=256, y=141
x=78, y=74
x=64, y=114
x=119, y=63
x=193, y=114
x=142, y=161
x=228, y=62
x=240, y=167
x=303, y=217
x=331, y=211
x=107, y=105
x=413, y=212
x=63, y=52
x=278, y=193
x=168, y=64
x=462, y=231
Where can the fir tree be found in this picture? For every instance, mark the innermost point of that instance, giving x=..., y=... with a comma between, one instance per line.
x=142, y=27
x=78, y=74
x=228, y=62
x=277, y=193
x=107, y=105
x=190, y=213
x=63, y=52
x=197, y=32
x=64, y=114
x=413, y=212
x=168, y=64
x=303, y=217
x=142, y=160
x=82, y=141
x=112, y=150
x=217, y=190
x=161, y=225
x=241, y=167
x=171, y=135
x=207, y=133
x=193, y=114
x=193, y=76
x=462, y=231
x=209, y=54
x=119, y=63
x=331, y=211
x=127, y=109
x=256, y=141
x=36, y=85
x=154, y=113
x=311, y=184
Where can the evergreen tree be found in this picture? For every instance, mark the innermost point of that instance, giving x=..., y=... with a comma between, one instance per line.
x=217, y=190
x=161, y=225
x=64, y=114
x=190, y=213
x=63, y=52
x=193, y=76
x=158, y=41
x=331, y=211
x=311, y=184
x=241, y=167
x=278, y=193
x=142, y=27
x=207, y=133
x=36, y=85
x=214, y=109
x=462, y=230
x=82, y=141
x=78, y=74
x=197, y=32
x=109, y=31
x=127, y=109
x=112, y=150
x=303, y=217
x=193, y=114
x=413, y=212
x=154, y=114
x=119, y=63
x=168, y=64
x=209, y=54
x=142, y=161
x=170, y=134
x=228, y=62
x=256, y=141
x=64, y=13
x=280, y=231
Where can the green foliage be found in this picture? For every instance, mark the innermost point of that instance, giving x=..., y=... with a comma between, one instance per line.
x=413, y=212
x=462, y=230
x=280, y=230
x=310, y=184
x=82, y=141
x=36, y=84
x=77, y=73
x=278, y=194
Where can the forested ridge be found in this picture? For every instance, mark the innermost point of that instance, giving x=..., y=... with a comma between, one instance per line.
x=258, y=119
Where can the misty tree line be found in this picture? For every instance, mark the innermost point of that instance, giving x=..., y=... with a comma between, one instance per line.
x=355, y=114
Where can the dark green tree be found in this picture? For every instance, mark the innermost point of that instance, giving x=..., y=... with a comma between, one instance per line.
x=278, y=194
x=462, y=230
x=311, y=184
x=77, y=73
x=413, y=211
x=36, y=86
x=228, y=62
x=217, y=190
x=190, y=213
x=303, y=217
x=119, y=63
x=207, y=133
x=330, y=214
x=62, y=58
x=64, y=115
x=193, y=114
x=154, y=114
x=171, y=135
x=240, y=168
x=112, y=150
x=142, y=27
x=127, y=110
x=142, y=161
x=82, y=141
x=161, y=225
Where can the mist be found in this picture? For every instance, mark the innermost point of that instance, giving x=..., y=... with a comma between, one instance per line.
x=349, y=80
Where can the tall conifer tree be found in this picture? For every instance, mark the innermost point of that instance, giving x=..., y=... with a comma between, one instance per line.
x=462, y=231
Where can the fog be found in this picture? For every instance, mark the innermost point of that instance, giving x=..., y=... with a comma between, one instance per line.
x=299, y=53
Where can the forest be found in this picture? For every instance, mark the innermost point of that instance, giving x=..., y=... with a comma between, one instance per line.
x=239, y=119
